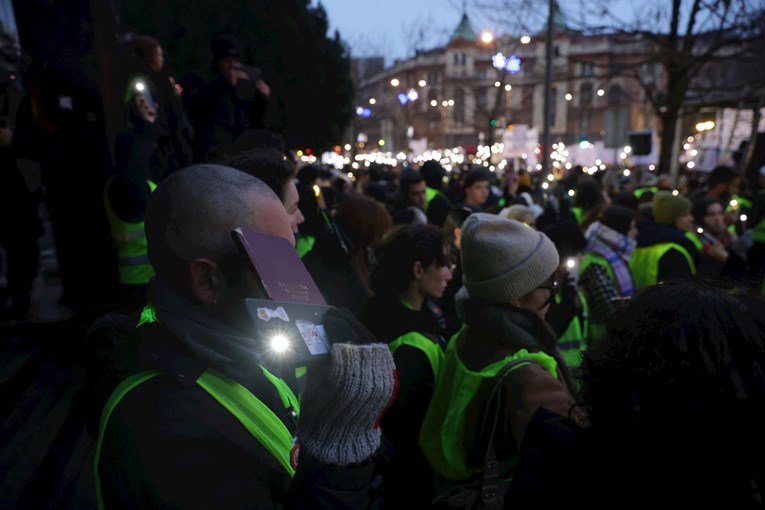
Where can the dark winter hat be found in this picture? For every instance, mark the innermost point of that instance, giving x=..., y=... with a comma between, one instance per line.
x=668, y=207
x=223, y=47
x=618, y=218
x=504, y=260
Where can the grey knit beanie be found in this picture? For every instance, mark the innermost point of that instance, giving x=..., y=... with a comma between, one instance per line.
x=503, y=259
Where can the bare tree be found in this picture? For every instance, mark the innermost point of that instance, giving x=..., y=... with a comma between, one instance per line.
x=682, y=36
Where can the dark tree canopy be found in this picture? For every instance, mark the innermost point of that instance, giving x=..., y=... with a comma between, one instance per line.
x=308, y=70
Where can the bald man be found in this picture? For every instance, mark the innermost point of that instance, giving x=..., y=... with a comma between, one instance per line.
x=209, y=424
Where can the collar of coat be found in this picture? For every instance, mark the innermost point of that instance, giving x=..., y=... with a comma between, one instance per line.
x=512, y=326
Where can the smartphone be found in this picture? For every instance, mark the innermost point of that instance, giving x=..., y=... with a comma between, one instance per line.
x=246, y=89
x=288, y=325
x=277, y=267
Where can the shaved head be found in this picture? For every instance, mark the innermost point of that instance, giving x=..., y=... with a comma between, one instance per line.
x=192, y=212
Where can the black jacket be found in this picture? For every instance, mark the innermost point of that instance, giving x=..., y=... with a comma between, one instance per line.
x=169, y=444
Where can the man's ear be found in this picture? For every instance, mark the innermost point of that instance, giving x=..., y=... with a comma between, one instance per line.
x=417, y=270
x=206, y=282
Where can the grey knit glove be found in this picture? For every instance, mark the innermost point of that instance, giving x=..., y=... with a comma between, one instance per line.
x=345, y=397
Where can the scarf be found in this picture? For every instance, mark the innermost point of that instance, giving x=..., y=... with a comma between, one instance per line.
x=206, y=337
x=616, y=248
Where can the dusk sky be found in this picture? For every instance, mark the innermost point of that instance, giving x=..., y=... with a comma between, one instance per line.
x=387, y=27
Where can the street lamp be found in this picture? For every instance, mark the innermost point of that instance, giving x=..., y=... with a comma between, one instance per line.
x=487, y=37
x=394, y=82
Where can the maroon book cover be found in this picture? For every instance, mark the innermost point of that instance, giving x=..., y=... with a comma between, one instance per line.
x=278, y=268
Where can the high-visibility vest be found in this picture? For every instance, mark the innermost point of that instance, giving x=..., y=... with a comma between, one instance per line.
x=644, y=263
x=129, y=240
x=639, y=192
x=596, y=329
x=573, y=341
x=430, y=194
x=253, y=414
x=432, y=350
x=260, y=421
x=578, y=214
x=442, y=436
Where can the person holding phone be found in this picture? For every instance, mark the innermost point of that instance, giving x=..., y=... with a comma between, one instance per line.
x=209, y=423
x=232, y=101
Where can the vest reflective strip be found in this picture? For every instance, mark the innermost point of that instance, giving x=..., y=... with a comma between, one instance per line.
x=122, y=390
x=253, y=414
x=692, y=237
x=442, y=436
x=304, y=244
x=130, y=241
x=432, y=351
x=644, y=263
x=256, y=417
x=288, y=398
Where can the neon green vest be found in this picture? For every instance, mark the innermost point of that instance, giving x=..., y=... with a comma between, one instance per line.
x=129, y=240
x=430, y=194
x=596, y=330
x=442, y=437
x=573, y=341
x=644, y=263
x=432, y=351
x=304, y=244
x=253, y=414
x=578, y=214
x=639, y=192
x=692, y=237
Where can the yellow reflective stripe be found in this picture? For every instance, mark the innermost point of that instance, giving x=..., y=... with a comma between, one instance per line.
x=432, y=351
x=289, y=400
x=256, y=417
x=121, y=390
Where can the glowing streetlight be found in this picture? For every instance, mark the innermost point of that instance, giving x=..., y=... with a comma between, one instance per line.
x=601, y=92
x=422, y=83
x=508, y=87
x=394, y=82
x=705, y=126
x=372, y=100
x=487, y=37
x=569, y=97
x=525, y=39
x=433, y=102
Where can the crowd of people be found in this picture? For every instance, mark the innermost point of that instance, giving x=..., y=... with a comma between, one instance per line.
x=623, y=317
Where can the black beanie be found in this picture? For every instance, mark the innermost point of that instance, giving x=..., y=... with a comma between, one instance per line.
x=618, y=218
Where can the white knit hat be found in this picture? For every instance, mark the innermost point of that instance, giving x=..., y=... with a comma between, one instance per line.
x=503, y=260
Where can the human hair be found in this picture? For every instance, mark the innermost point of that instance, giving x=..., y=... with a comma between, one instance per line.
x=679, y=384
x=395, y=257
x=363, y=219
x=722, y=174
x=191, y=214
x=700, y=206
x=476, y=174
x=266, y=164
x=455, y=219
x=588, y=193
x=409, y=177
x=433, y=173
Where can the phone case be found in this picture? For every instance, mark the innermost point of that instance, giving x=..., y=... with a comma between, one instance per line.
x=278, y=268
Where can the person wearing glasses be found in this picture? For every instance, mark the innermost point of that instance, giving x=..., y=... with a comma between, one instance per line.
x=509, y=285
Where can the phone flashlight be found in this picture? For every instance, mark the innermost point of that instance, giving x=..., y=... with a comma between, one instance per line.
x=570, y=263
x=279, y=343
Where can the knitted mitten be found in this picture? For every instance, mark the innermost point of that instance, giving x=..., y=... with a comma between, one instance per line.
x=344, y=398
